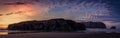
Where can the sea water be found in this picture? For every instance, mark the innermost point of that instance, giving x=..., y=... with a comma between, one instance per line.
x=88, y=30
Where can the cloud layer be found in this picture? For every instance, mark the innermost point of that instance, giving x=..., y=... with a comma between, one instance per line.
x=85, y=10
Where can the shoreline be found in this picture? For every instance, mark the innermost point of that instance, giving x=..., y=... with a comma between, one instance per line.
x=62, y=35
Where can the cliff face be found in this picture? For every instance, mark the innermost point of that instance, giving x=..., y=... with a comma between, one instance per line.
x=48, y=25
x=94, y=25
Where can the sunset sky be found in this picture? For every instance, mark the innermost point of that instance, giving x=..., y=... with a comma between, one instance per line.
x=14, y=11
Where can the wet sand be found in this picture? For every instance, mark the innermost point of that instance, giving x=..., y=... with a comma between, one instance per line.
x=62, y=35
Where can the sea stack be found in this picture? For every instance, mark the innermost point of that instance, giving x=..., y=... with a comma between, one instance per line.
x=59, y=24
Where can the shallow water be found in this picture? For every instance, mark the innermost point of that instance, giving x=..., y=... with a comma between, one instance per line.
x=89, y=30
x=97, y=30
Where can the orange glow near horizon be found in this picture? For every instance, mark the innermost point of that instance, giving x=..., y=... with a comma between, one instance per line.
x=3, y=26
x=20, y=13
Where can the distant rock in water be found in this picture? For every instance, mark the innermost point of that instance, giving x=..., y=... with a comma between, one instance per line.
x=59, y=24
x=113, y=27
x=94, y=24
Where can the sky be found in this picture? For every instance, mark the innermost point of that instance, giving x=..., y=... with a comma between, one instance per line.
x=14, y=11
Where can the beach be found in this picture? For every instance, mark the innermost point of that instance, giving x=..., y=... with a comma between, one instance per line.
x=62, y=35
x=89, y=33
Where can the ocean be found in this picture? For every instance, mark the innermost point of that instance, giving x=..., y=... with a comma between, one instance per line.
x=88, y=30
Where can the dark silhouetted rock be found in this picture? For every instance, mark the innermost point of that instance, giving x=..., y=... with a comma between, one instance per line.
x=60, y=24
x=113, y=27
x=94, y=24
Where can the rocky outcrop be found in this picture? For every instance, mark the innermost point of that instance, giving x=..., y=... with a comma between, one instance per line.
x=94, y=24
x=113, y=27
x=48, y=25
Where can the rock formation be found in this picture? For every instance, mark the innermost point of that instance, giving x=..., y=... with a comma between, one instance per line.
x=59, y=24
x=94, y=24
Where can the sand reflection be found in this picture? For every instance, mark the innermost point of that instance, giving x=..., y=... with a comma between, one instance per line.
x=3, y=32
